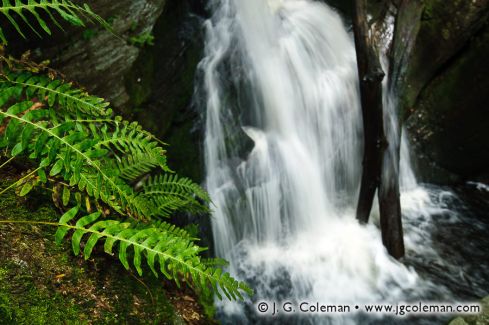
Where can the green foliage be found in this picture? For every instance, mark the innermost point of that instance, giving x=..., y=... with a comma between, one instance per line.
x=72, y=136
x=15, y=10
x=95, y=161
x=62, y=290
x=88, y=34
x=142, y=40
x=162, y=244
x=181, y=190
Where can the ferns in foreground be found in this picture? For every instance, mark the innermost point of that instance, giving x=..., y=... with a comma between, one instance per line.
x=102, y=165
x=15, y=10
x=162, y=244
x=72, y=136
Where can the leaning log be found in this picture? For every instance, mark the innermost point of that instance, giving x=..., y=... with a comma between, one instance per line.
x=371, y=75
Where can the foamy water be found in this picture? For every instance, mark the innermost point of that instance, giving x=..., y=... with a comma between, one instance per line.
x=283, y=151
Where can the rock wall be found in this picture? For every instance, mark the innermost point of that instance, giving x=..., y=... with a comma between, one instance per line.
x=443, y=86
x=161, y=85
x=440, y=71
x=95, y=57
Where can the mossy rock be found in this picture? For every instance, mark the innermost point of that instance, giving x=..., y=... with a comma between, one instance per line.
x=481, y=319
x=43, y=283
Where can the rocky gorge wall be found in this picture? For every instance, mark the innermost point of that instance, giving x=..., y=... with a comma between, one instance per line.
x=444, y=92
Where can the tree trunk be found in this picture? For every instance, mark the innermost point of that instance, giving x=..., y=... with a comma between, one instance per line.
x=371, y=75
x=390, y=203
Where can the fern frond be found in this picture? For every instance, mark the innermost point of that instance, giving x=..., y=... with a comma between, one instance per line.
x=68, y=153
x=174, y=230
x=177, y=192
x=134, y=166
x=74, y=14
x=176, y=256
x=174, y=185
x=215, y=262
x=82, y=107
x=72, y=99
x=137, y=151
x=71, y=137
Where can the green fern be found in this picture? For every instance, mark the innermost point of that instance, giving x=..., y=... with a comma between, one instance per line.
x=183, y=191
x=72, y=99
x=75, y=14
x=72, y=136
x=93, y=160
x=176, y=255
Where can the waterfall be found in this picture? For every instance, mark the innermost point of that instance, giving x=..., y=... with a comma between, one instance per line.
x=283, y=153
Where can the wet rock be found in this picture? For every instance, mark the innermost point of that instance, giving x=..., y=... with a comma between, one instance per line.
x=95, y=57
x=440, y=70
x=161, y=85
x=451, y=123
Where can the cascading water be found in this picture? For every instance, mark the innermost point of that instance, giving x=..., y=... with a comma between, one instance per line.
x=283, y=152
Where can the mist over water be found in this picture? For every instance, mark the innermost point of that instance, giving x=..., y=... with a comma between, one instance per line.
x=283, y=153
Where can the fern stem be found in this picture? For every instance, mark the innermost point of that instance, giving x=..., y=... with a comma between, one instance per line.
x=30, y=222
x=153, y=301
x=35, y=6
x=19, y=181
x=7, y=162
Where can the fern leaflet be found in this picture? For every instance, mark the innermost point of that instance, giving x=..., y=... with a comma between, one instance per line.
x=67, y=10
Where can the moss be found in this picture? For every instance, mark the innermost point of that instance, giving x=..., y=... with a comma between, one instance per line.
x=34, y=305
x=43, y=283
x=481, y=319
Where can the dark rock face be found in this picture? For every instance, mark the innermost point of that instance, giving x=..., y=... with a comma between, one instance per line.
x=445, y=28
x=443, y=86
x=161, y=85
x=451, y=121
x=439, y=69
x=96, y=58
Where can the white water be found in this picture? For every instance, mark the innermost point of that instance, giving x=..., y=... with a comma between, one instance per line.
x=283, y=153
